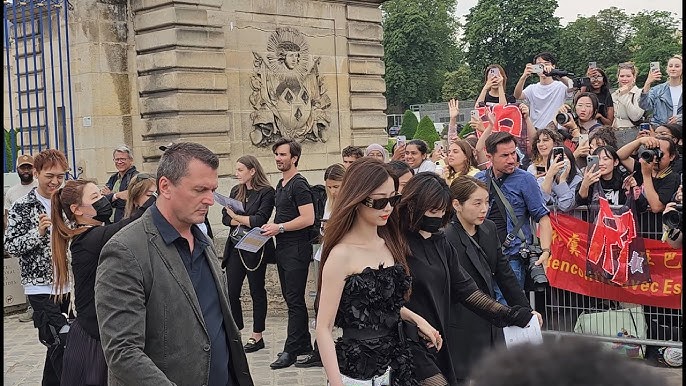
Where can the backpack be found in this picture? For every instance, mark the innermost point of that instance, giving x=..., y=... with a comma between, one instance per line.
x=318, y=193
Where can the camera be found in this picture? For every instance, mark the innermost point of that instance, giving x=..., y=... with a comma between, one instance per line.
x=563, y=118
x=672, y=219
x=649, y=155
x=581, y=82
x=531, y=254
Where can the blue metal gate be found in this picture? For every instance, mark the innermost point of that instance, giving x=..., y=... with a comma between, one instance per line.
x=38, y=74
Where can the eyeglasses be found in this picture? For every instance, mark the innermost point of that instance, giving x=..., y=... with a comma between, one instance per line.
x=598, y=78
x=120, y=160
x=380, y=203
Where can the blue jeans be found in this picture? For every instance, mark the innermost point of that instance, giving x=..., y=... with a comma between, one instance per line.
x=519, y=270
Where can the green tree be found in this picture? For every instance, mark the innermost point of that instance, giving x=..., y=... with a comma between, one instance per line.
x=460, y=84
x=655, y=37
x=426, y=131
x=10, y=159
x=418, y=45
x=509, y=33
x=409, y=125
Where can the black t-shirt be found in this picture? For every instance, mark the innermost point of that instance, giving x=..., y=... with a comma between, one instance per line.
x=604, y=101
x=612, y=188
x=288, y=198
x=490, y=99
x=651, y=223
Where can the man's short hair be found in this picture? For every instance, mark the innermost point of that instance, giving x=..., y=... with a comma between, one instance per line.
x=174, y=162
x=352, y=151
x=496, y=139
x=123, y=149
x=49, y=158
x=547, y=56
x=294, y=147
x=572, y=361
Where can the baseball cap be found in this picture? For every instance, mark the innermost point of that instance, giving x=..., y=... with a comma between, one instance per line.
x=24, y=159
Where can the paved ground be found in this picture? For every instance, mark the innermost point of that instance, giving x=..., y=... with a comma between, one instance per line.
x=24, y=357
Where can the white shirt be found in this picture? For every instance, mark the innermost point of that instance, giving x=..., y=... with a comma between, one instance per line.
x=426, y=166
x=676, y=95
x=318, y=254
x=544, y=101
x=16, y=192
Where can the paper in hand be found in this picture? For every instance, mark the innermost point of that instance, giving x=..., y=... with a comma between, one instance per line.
x=252, y=241
x=235, y=205
x=517, y=335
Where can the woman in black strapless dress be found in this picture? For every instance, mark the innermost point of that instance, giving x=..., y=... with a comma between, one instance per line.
x=364, y=283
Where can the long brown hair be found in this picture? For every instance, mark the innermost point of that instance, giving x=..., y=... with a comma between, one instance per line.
x=259, y=179
x=334, y=172
x=470, y=160
x=62, y=233
x=138, y=187
x=361, y=179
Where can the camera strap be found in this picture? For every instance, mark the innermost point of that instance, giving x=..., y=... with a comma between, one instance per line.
x=503, y=203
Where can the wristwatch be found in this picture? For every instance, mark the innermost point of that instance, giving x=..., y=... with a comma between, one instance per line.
x=281, y=228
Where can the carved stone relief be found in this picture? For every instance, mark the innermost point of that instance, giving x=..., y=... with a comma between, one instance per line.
x=288, y=95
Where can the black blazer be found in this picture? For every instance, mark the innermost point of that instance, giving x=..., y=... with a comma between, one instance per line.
x=259, y=208
x=468, y=334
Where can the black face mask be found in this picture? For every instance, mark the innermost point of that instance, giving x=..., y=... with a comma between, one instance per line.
x=103, y=209
x=430, y=224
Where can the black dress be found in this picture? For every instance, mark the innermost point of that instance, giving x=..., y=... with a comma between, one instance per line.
x=370, y=305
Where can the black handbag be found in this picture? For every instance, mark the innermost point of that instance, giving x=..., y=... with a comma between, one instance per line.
x=238, y=233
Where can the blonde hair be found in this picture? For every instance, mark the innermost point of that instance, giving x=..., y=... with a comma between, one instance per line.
x=138, y=187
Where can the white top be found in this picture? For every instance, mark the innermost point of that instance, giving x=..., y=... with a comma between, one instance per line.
x=544, y=101
x=426, y=166
x=627, y=108
x=16, y=192
x=318, y=254
x=203, y=228
x=676, y=95
x=46, y=289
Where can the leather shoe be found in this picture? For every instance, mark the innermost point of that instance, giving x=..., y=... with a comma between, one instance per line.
x=283, y=361
x=310, y=360
x=252, y=345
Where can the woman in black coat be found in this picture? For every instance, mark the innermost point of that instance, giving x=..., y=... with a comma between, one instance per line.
x=257, y=196
x=438, y=280
x=478, y=250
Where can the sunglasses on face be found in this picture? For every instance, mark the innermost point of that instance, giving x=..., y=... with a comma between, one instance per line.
x=380, y=203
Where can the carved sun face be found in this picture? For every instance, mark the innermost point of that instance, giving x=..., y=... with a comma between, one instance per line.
x=291, y=59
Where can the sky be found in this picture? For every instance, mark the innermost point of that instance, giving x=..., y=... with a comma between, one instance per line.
x=568, y=10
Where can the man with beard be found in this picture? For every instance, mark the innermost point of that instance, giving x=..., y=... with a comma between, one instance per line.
x=25, y=172
x=293, y=219
x=27, y=237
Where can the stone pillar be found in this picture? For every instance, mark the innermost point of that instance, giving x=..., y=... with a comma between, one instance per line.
x=182, y=81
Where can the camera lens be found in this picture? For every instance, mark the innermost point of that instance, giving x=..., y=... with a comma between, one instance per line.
x=562, y=118
x=537, y=274
x=672, y=219
x=647, y=154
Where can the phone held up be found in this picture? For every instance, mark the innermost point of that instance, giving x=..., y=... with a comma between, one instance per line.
x=538, y=68
x=592, y=160
x=644, y=126
x=583, y=138
x=402, y=140
x=654, y=66
x=493, y=72
x=558, y=150
x=475, y=114
x=592, y=65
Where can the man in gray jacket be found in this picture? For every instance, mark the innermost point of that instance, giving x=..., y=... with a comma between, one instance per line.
x=160, y=293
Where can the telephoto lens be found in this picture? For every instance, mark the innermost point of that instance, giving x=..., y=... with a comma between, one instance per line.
x=649, y=155
x=563, y=118
x=672, y=219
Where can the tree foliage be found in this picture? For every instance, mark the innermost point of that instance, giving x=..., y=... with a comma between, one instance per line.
x=509, y=33
x=426, y=131
x=418, y=44
x=460, y=84
x=656, y=37
x=409, y=125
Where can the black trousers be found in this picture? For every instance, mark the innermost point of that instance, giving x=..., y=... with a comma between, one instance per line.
x=48, y=319
x=235, y=275
x=293, y=262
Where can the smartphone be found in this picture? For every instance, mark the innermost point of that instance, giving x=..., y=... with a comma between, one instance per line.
x=493, y=72
x=592, y=65
x=475, y=114
x=654, y=66
x=583, y=138
x=538, y=68
x=540, y=169
x=558, y=150
x=644, y=126
x=592, y=160
x=401, y=140
x=438, y=146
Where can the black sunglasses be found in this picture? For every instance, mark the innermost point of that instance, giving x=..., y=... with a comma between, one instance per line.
x=380, y=203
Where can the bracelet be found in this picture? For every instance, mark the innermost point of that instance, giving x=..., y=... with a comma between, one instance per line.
x=545, y=250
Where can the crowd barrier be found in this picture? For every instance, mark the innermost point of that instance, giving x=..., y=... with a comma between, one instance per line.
x=627, y=318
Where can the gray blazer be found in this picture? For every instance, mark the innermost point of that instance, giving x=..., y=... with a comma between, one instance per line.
x=150, y=321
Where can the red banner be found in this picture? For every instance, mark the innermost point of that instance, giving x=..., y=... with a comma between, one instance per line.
x=507, y=118
x=567, y=268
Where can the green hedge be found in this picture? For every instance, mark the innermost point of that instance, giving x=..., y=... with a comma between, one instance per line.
x=409, y=125
x=426, y=131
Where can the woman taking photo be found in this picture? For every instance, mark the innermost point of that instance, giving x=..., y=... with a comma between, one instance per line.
x=85, y=209
x=614, y=181
x=560, y=181
x=472, y=235
x=460, y=161
x=625, y=99
x=257, y=195
x=364, y=283
x=599, y=87
x=664, y=100
x=438, y=280
x=416, y=156
x=542, y=145
x=493, y=92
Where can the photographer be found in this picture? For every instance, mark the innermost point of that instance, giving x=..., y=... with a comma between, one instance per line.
x=664, y=100
x=654, y=171
x=493, y=91
x=581, y=121
x=671, y=218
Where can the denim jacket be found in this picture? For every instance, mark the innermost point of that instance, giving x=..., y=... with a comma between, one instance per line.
x=659, y=101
